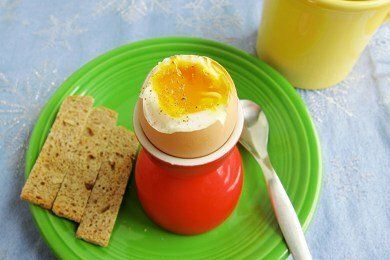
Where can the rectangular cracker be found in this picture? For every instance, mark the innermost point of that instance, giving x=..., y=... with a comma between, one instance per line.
x=106, y=197
x=46, y=176
x=86, y=161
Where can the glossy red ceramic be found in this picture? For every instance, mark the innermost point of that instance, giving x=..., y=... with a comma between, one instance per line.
x=189, y=200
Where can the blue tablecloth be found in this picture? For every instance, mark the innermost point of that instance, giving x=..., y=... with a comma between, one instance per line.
x=43, y=42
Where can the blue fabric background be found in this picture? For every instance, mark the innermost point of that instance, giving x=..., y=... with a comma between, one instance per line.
x=43, y=42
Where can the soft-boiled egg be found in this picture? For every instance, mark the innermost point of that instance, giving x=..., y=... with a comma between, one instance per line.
x=188, y=106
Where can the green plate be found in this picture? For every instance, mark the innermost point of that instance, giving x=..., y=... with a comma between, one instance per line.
x=114, y=80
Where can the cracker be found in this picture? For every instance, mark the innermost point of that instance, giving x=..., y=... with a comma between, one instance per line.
x=106, y=197
x=47, y=175
x=86, y=161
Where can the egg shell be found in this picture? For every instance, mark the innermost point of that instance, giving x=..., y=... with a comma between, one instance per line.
x=196, y=143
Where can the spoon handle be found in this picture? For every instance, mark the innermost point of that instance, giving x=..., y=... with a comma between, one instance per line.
x=285, y=213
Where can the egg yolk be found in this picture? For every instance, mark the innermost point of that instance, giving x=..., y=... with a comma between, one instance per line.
x=185, y=87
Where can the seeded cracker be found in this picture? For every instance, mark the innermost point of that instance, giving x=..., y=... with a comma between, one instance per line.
x=106, y=197
x=46, y=176
x=86, y=161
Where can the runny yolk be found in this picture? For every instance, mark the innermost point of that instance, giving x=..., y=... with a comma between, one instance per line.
x=185, y=87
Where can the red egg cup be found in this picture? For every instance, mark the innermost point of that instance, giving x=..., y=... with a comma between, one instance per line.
x=189, y=196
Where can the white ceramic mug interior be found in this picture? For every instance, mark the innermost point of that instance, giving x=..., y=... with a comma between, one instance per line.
x=229, y=144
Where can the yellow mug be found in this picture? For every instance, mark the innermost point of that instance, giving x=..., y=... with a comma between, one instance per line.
x=315, y=43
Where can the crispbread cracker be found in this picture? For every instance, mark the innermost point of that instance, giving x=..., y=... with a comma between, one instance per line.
x=46, y=176
x=106, y=197
x=86, y=161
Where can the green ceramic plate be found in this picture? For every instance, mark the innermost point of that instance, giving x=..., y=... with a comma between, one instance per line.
x=114, y=80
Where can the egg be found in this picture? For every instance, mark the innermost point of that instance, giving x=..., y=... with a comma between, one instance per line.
x=188, y=106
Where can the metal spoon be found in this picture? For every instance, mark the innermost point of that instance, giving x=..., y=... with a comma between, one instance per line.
x=254, y=138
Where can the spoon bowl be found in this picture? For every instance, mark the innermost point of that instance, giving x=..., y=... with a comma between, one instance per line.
x=255, y=122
